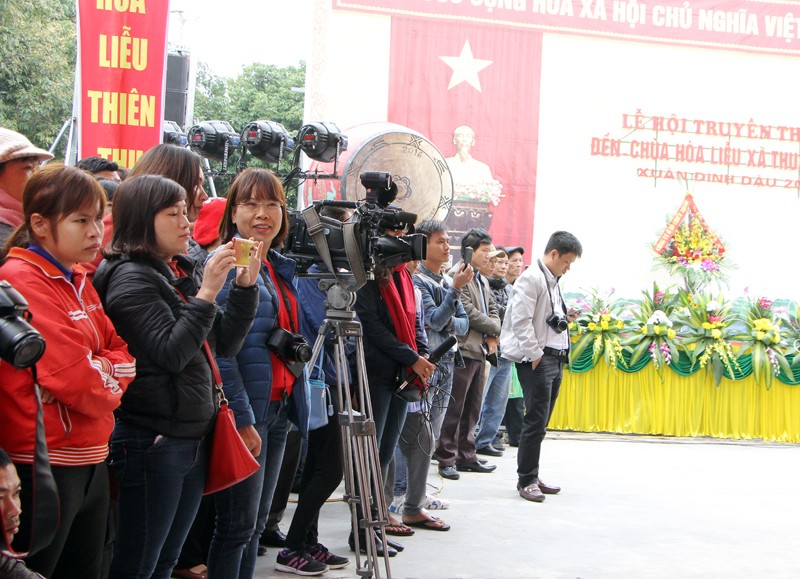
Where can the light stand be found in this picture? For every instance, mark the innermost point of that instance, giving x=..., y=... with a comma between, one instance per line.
x=359, y=442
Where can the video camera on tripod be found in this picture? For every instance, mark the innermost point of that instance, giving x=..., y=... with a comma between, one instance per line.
x=360, y=244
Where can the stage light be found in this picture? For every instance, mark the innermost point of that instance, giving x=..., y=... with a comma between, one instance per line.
x=173, y=135
x=267, y=140
x=321, y=141
x=213, y=139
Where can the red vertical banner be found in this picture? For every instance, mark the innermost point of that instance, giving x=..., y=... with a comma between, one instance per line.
x=122, y=55
x=473, y=90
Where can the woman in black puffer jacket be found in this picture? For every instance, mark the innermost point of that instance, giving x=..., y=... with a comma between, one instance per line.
x=154, y=295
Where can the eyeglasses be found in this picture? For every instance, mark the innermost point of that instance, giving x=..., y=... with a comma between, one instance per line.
x=252, y=206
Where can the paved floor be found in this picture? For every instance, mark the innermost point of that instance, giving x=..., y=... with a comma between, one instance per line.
x=638, y=507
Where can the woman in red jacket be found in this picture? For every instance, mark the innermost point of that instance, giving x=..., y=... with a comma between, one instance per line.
x=84, y=370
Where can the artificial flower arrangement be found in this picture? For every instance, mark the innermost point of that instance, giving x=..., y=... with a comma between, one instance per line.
x=708, y=332
x=655, y=335
x=600, y=326
x=693, y=252
x=490, y=191
x=762, y=337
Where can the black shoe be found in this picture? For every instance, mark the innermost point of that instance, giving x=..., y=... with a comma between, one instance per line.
x=272, y=538
x=497, y=444
x=482, y=460
x=395, y=545
x=513, y=443
x=476, y=467
x=448, y=472
x=362, y=546
x=262, y=550
x=489, y=450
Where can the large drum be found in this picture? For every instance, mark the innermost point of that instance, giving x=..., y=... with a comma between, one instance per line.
x=424, y=182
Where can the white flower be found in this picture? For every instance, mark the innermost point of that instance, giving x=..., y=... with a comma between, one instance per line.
x=659, y=317
x=713, y=306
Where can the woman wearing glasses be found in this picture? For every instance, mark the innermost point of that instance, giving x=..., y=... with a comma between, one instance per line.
x=264, y=387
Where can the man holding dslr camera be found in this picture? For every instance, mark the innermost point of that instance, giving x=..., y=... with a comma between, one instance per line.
x=536, y=337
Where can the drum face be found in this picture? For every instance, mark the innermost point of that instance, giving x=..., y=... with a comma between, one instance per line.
x=424, y=182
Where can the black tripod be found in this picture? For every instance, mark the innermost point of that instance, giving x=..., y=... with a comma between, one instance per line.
x=359, y=442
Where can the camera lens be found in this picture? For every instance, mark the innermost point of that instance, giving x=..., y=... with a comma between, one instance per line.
x=563, y=325
x=302, y=353
x=20, y=344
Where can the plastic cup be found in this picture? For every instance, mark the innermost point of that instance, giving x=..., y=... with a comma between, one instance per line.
x=243, y=249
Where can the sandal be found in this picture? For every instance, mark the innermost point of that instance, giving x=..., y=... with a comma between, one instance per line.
x=432, y=524
x=398, y=529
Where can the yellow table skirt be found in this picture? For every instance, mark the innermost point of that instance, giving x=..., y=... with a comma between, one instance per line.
x=602, y=400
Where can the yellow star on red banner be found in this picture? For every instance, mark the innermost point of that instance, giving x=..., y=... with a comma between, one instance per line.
x=465, y=68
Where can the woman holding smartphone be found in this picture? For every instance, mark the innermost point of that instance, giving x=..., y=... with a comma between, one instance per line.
x=154, y=294
x=83, y=373
x=265, y=384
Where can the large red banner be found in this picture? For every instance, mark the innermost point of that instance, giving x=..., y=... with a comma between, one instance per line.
x=771, y=26
x=122, y=55
x=473, y=90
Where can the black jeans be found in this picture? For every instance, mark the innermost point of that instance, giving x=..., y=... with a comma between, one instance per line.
x=322, y=473
x=77, y=548
x=540, y=388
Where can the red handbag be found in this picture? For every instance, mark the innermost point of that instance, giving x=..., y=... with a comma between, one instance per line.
x=230, y=461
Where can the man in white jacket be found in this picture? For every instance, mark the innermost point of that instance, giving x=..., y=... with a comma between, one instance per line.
x=536, y=338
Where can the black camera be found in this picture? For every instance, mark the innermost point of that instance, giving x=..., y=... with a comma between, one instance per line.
x=20, y=344
x=291, y=348
x=360, y=244
x=557, y=322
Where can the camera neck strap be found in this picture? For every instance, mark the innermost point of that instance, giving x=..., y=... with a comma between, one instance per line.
x=549, y=292
x=45, y=502
x=284, y=292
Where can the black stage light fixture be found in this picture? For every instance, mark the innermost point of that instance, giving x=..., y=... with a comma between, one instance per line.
x=211, y=139
x=173, y=135
x=321, y=141
x=267, y=140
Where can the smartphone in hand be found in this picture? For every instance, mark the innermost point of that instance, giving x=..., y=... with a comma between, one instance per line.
x=466, y=256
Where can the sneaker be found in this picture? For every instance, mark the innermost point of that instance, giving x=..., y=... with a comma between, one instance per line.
x=299, y=563
x=397, y=504
x=435, y=503
x=321, y=554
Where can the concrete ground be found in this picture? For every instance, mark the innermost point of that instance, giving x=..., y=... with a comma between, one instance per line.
x=638, y=507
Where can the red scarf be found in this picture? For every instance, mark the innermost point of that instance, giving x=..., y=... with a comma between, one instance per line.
x=282, y=377
x=398, y=295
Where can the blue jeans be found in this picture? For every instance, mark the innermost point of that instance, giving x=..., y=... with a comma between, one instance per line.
x=243, y=509
x=161, y=483
x=495, y=398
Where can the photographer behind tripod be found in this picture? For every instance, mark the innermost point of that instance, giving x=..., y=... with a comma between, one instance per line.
x=394, y=344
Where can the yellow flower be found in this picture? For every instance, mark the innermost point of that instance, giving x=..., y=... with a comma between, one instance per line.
x=657, y=330
x=776, y=339
x=620, y=324
x=643, y=329
x=706, y=325
x=671, y=334
x=716, y=334
x=604, y=325
x=605, y=318
x=591, y=326
x=760, y=335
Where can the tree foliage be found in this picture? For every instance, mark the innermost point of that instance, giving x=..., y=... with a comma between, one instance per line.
x=259, y=92
x=37, y=67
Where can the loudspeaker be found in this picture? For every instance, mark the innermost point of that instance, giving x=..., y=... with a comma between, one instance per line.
x=177, y=94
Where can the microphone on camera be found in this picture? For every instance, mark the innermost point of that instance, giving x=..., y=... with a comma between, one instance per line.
x=434, y=356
